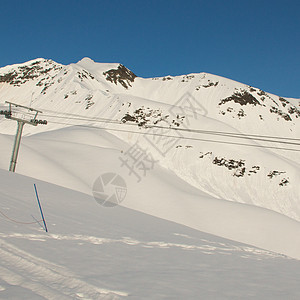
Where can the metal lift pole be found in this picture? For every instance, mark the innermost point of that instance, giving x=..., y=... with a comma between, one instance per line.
x=22, y=120
x=15, y=152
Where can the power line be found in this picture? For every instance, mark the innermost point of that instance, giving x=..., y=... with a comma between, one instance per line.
x=177, y=137
x=254, y=137
x=234, y=135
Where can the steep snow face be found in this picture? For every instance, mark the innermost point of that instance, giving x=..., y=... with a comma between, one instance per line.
x=73, y=88
x=77, y=87
x=244, y=107
x=246, y=169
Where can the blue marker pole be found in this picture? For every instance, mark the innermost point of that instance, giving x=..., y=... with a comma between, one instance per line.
x=37, y=197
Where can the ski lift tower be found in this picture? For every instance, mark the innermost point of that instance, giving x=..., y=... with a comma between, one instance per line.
x=23, y=115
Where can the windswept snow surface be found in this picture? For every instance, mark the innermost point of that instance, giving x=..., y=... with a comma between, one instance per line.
x=91, y=252
x=59, y=157
x=189, y=188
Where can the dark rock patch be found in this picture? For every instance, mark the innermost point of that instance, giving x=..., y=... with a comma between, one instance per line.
x=120, y=75
x=242, y=98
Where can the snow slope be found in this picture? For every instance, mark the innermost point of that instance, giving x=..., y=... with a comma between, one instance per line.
x=259, y=170
x=93, y=252
x=112, y=97
x=161, y=193
x=235, y=175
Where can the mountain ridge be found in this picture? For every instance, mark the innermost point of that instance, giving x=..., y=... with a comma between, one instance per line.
x=223, y=137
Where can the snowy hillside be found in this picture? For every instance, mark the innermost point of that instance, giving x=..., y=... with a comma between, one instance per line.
x=197, y=150
x=236, y=151
x=91, y=252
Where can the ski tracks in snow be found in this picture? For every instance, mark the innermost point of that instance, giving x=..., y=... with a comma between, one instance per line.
x=203, y=246
x=46, y=279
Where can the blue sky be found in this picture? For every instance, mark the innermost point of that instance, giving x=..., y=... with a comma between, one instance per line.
x=251, y=41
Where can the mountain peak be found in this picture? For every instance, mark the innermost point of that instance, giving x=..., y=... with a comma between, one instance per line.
x=95, y=67
x=86, y=61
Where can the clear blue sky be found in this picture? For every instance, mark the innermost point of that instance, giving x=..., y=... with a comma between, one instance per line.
x=256, y=42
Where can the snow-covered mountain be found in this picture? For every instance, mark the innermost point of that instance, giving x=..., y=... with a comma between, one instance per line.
x=214, y=159
x=200, y=150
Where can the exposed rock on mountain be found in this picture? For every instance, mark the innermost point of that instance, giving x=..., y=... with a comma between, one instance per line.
x=248, y=139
